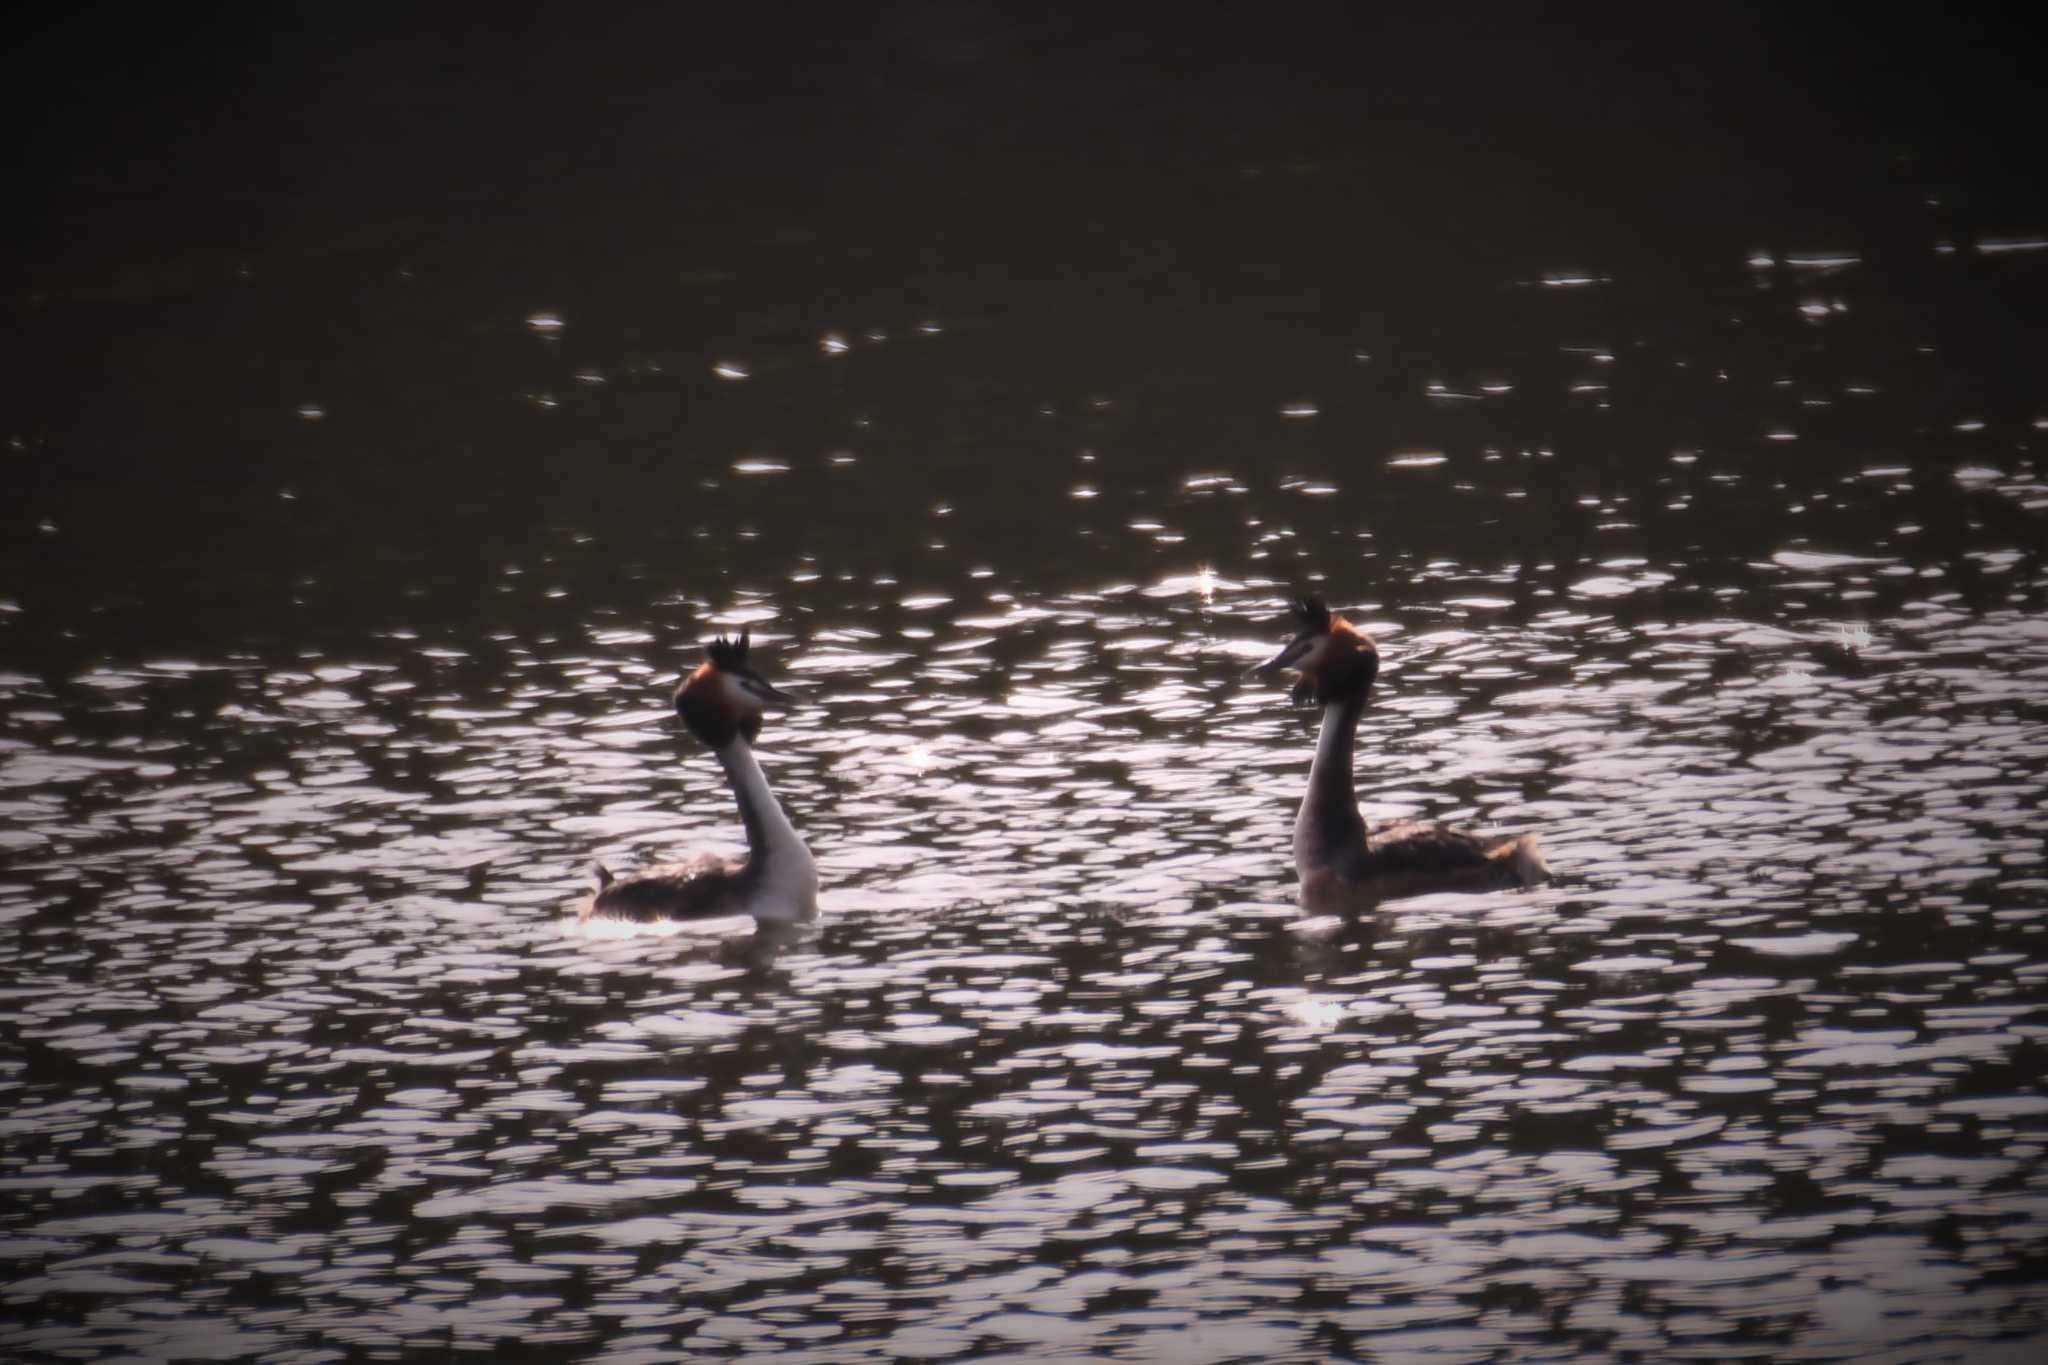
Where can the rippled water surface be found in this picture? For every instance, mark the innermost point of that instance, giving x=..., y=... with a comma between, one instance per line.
x=353, y=572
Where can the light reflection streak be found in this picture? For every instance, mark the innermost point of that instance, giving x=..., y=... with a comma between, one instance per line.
x=297, y=1032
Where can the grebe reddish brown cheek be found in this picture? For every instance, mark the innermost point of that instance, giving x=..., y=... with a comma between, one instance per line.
x=722, y=702
x=1341, y=862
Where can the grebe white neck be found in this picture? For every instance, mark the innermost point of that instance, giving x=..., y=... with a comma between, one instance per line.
x=1334, y=739
x=1328, y=823
x=787, y=885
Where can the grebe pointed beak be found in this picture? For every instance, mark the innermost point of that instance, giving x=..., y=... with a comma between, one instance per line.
x=1294, y=651
x=758, y=687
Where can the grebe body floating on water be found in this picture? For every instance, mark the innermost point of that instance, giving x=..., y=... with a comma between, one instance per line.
x=722, y=704
x=1342, y=863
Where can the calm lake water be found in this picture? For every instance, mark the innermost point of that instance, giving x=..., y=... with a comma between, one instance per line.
x=399, y=409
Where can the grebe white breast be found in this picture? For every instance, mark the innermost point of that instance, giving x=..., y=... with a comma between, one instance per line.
x=722, y=702
x=1341, y=862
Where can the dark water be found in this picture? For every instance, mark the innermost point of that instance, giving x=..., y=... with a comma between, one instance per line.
x=396, y=406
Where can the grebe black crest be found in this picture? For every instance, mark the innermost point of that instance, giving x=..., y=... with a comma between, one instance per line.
x=722, y=702
x=1341, y=862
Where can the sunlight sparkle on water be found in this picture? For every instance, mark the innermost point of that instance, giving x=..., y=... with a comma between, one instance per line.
x=307, y=1055
x=1319, y=1014
x=607, y=928
x=1202, y=583
x=1823, y=261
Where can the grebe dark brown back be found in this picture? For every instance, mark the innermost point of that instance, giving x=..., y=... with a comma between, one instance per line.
x=1341, y=862
x=722, y=702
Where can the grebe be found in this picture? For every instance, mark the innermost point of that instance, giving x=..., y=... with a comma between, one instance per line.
x=1340, y=862
x=721, y=703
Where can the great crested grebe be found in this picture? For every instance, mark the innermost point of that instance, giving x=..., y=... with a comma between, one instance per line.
x=722, y=703
x=1341, y=863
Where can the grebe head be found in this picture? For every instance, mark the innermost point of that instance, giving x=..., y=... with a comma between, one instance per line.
x=1337, y=660
x=724, y=698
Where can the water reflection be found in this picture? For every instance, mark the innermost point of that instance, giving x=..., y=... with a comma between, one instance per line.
x=1722, y=572
x=297, y=1014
